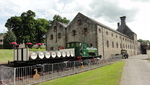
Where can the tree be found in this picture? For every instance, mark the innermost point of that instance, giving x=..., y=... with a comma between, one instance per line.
x=28, y=29
x=8, y=38
x=1, y=34
x=14, y=24
x=42, y=25
x=23, y=26
x=28, y=26
x=60, y=19
x=140, y=40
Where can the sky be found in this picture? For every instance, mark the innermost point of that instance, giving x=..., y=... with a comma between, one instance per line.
x=107, y=12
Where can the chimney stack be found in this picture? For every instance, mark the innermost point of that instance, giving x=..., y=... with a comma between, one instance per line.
x=123, y=18
x=118, y=24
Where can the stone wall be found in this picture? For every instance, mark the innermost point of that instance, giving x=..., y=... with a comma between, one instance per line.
x=83, y=29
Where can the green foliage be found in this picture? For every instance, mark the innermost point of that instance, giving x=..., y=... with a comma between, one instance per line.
x=28, y=26
x=14, y=24
x=144, y=41
x=8, y=38
x=107, y=75
x=60, y=19
x=42, y=25
x=28, y=29
x=1, y=34
x=140, y=40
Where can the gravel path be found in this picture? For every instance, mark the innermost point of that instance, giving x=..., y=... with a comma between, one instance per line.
x=136, y=71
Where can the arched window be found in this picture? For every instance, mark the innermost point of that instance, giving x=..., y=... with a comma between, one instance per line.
x=112, y=34
x=117, y=45
x=120, y=45
x=79, y=22
x=99, y=30
x=51, y=48
x=116, y=36
x=85, y=31
x=106, y=33
x=59, y=35
x=51, y=37
x=73, y=32
x=107, y=43
x=113, y=44
x=55, y=28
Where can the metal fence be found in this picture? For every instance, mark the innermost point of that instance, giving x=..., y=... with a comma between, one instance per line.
x=43, y=72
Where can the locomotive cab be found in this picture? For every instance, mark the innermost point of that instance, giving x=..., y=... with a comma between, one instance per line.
x=82, y=50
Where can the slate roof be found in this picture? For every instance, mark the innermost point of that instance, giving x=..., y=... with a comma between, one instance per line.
x=104, y=25
x=123, y=28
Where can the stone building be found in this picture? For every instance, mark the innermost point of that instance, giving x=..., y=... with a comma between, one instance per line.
x=1, y=39
x=56, y=36
x=84, y=29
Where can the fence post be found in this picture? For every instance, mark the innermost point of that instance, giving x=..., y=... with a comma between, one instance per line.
x=52, y=71
x=14, y=76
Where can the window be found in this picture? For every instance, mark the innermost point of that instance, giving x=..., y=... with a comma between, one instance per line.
x=59, y=35
x=120, y=46
x=117, y=45
x=51, y=37
x=79, y=22
x=113, y=44
x=106, y=33
x=91, y=45
x=107, y=43
x=85, y=31
x=99, y=30
x=112, y=35
x=51, y=48
x=73, y=32
x=55, y=28
x=116, y=36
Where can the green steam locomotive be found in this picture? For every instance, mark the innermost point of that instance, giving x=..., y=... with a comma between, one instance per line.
x=72, y=52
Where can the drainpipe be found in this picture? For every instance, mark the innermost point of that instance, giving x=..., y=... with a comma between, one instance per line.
x=103, y=43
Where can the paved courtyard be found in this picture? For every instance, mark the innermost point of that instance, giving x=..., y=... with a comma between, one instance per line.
x=136, y=71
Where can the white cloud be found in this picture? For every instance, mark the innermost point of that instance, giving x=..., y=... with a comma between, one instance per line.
x=104, y=11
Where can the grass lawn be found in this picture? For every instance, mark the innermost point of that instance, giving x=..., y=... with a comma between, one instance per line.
x=34, y=49
x=8, y=54
x=107, y=75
